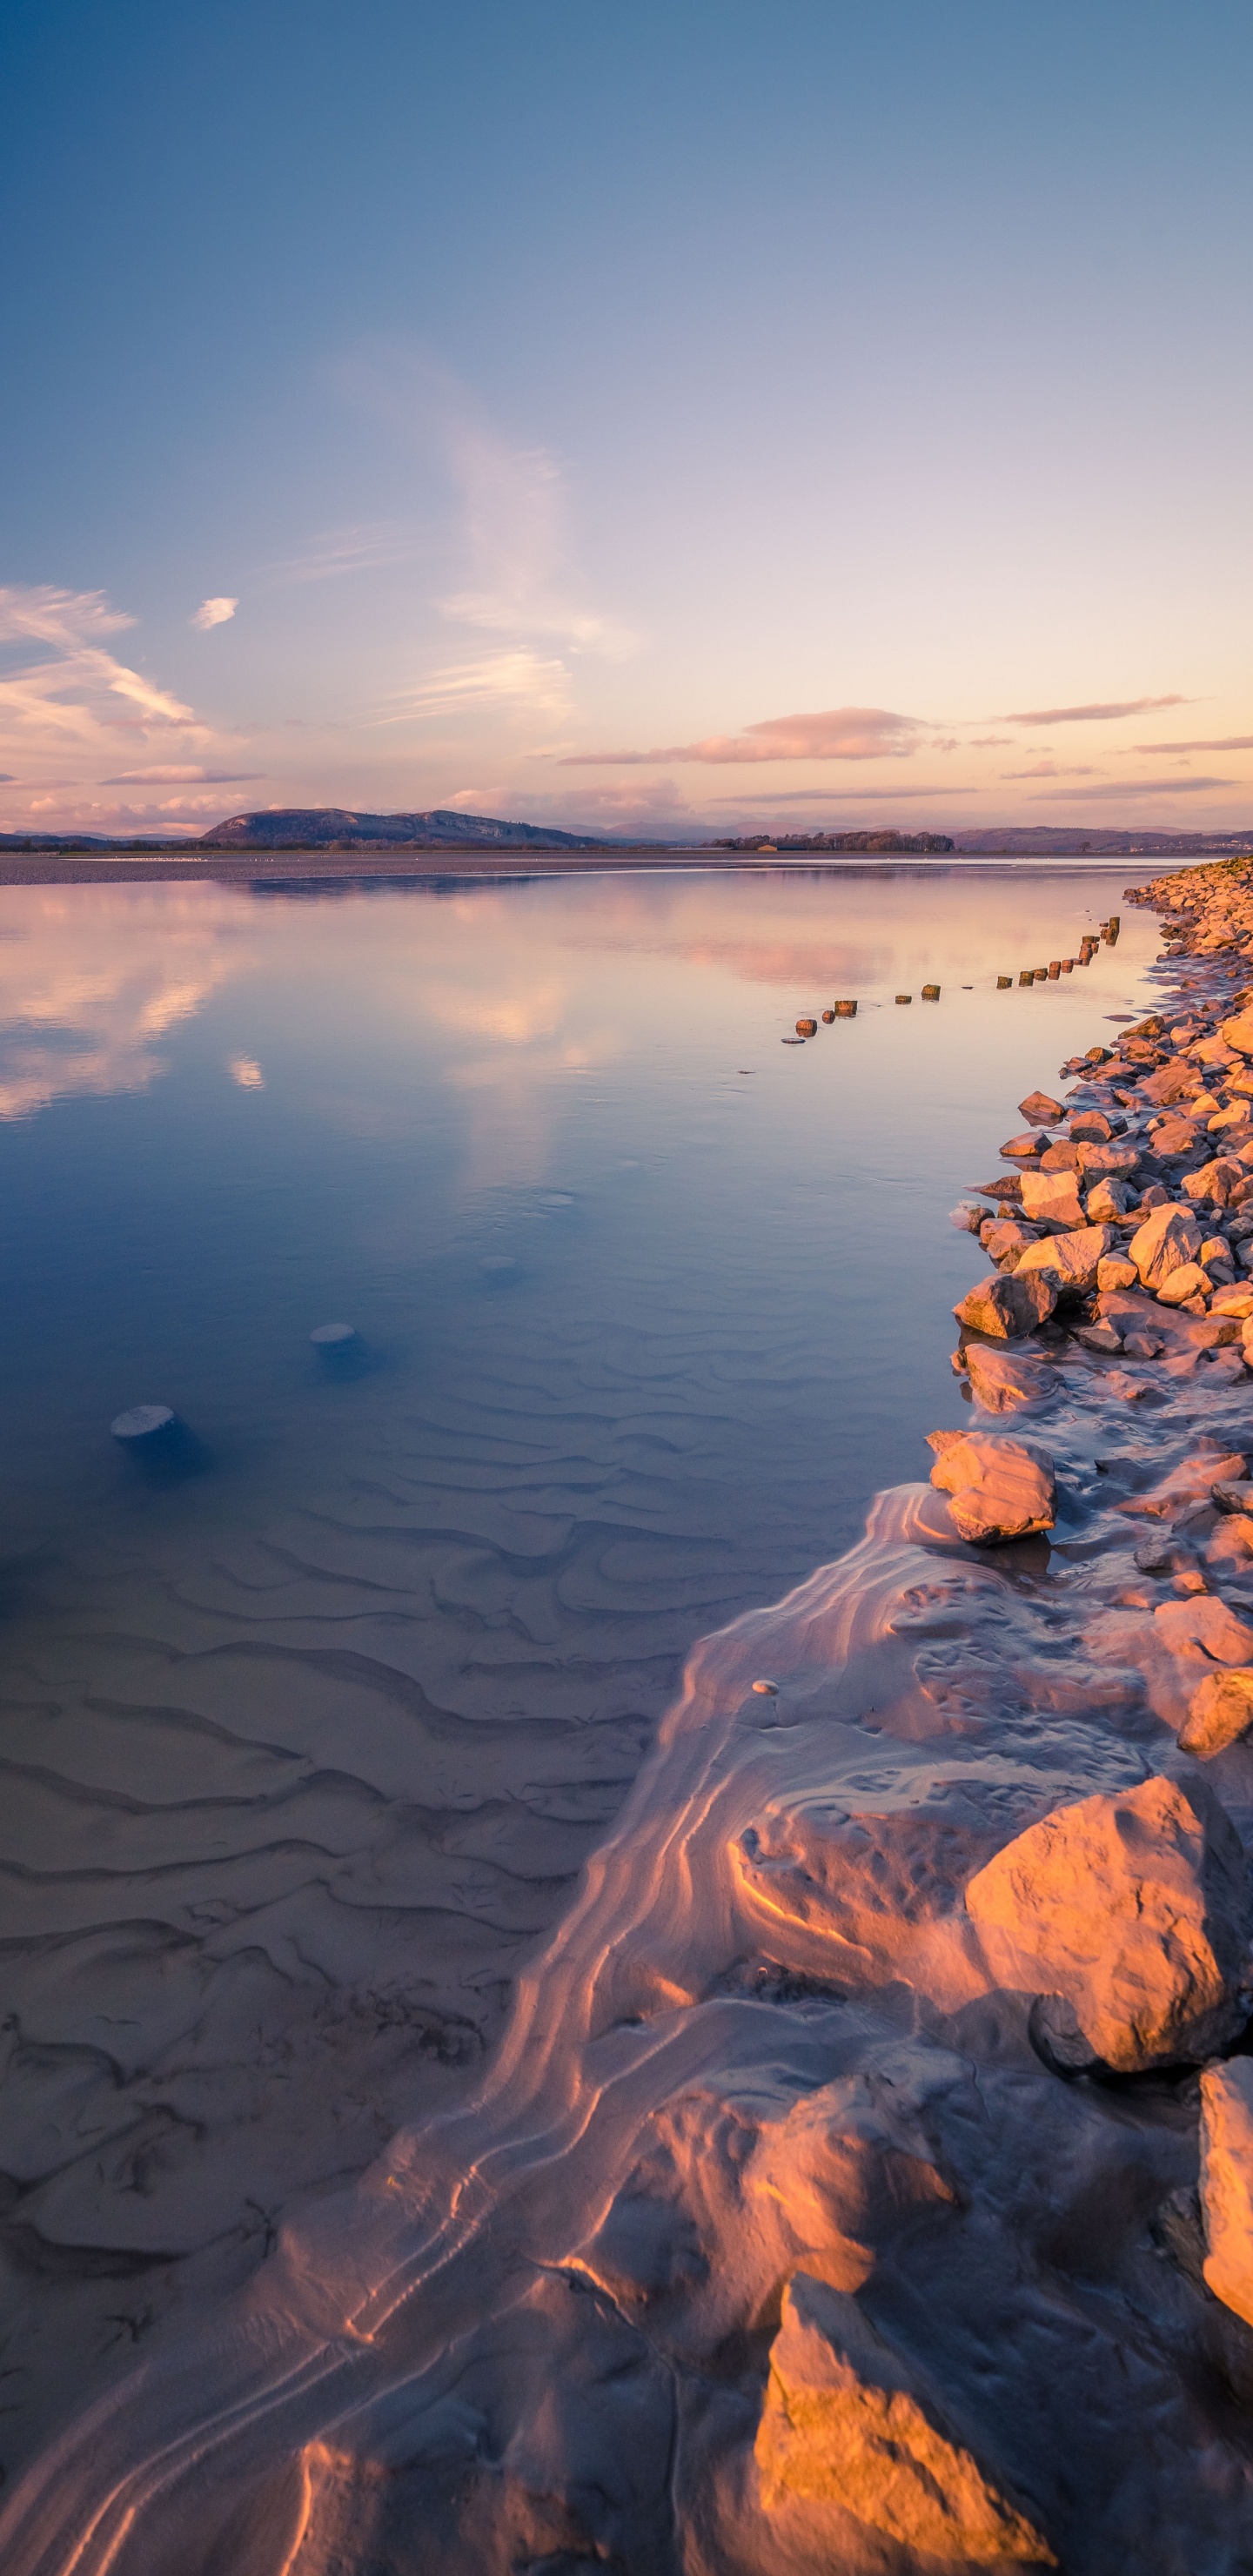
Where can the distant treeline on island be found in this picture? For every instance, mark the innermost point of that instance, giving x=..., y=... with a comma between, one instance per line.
x=918, y=842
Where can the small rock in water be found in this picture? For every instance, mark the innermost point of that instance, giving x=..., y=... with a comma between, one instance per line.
x=1099, y=1337
x=1130, y=1915
x=143, y=1422
x=1227, y=2183
x=828, y=1016
x=967, y=1216
x=1027, y=1148
x=846, y=1010
x=1005, y=1380
x=807, y=1028
x=931, y=992
x=998, y=1489
x=1220, y=1709
x=332, y=1337
x=1090, y=1127
x=1040, y=1109
x=766, y=1690
x=904, y=997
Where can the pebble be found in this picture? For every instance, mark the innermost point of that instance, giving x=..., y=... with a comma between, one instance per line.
x=332, y=1337
x=142, y=1422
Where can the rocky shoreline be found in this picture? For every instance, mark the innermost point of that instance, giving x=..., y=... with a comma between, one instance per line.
x=865, y=2179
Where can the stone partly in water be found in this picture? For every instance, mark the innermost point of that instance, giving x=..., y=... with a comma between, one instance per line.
x=1040, y=1109
x=1024, y=1149
x=843, y=2427
x=1227, y=2183
x=1168, y=1238
x=1003, y=1381
x=1003, y=1240
x=1006, y=1307
x=1129, y=1915
x=1220, y=1710
x=1052, y=1195
x=997, y=1489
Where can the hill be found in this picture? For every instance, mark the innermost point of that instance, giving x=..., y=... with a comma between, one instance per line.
x=332, y=827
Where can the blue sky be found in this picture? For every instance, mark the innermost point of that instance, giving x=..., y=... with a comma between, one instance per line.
x=665, y=418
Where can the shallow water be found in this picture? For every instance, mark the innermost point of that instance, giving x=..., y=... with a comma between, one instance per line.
x=304, y=1749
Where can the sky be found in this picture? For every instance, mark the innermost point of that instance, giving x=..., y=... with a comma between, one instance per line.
x=673, y=420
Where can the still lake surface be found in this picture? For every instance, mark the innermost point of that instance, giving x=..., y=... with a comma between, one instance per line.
x=301, y=1752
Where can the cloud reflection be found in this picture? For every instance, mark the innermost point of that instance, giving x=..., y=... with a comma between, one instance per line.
x=91, y=980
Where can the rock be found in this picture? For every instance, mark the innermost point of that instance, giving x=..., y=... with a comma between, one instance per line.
x=1090, y=1127
x=1234, y=1301
x=1220, y=1709
x=1168, y=1238
x=1130, y=1916
x=1006, y=1186
x=1006, y=1307
x=1062, y=1157
x=1115, y=1271
x=1174, y=1137
x=1054, y=1195
x=1004, y=1380
x=143, y=1424
x=1024, y=1149
x=1215, y=1181
x=807, y=1028
x=1003, y=1240
x=1170, y=1083
x=1111, y=1162
x=1185, y=1283
x=967, y=1216
x=1099, y=1337
x=1227, y=2181
x=845, y=2424
x=1109, y=1201
x=1238, y=1032
x=1193, y=1480
x=1038, y=1107
x=332, y=1337
x=997, y=1489
x=1232, y=1494
x=1071, y=1259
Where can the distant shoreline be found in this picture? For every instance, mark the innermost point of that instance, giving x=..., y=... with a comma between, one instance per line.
x=394, y=866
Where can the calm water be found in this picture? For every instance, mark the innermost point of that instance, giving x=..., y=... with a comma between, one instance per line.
x=301, y=1753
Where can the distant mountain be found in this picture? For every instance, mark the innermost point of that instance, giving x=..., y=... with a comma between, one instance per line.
x=331, y=827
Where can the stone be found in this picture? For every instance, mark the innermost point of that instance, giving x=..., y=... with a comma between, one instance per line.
x=1006, y=1307
x=1215, y=1181
x=1108, y=1202
x=1007, y=1185
x=1024, y=1149
x=1234, y=1301
x=1038, y=1107
x=1193, y=1480
x=967, y=1216
x=1112, y=1162
x=1173, y=1137
x=1232, y=1494
x=1099, y=1337
x=1129, y=1915
x=807, y=1028
x=1215, y=1249
x=1052, y=1195
x=1071, y=1259
x=1220, y=1709
x=1238, y=1032
x=1115, y=1271
x=1170, y=1083
x=1003, y=1240
x=997, y=1489
x=1090, y=1127
x=1169, y=1237
x=1002, y=1381
x=143, y=1425
x=1183, y=1285
x=1061, y=1157
x=1226, y=2183
x=845, y=2423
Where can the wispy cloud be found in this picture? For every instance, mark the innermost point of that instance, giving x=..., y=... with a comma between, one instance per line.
x=1124, y=787
x=1228, y=742
x=181, y=774
x=369, y=545
x=214, y=612
x=70, y=708
x=1049, y=769
x=520, y=679
x=838, y=733
x=1101, y=714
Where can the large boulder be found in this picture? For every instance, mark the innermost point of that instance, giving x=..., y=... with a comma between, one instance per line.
x=1129, y=1915
x=846, y=2425
x=1167, y=1238
x=1070, y=1259
x=1227, y=2182
x=997, y=1489
x=1238, y=1032
x=1006, y=1307
x=1052, y=1197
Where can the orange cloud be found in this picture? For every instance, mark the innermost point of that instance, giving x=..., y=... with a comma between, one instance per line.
x=837, y=733
x=1093, y=714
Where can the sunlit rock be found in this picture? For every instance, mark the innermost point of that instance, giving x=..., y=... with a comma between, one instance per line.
x=1107, y=1201
x=1220, y=1709
x=1070, y=1259
x=1183, y=1284
x=1168, y=1238
x=1043, y=1111
x=1003, y=1240
x=1129, y=1915
x=997, y=1489
x=1006, y=1307
x=1227, y=2180
x=843, y=2427
x=1004, y=1380
x=1238, y=1032
x=1052, y=1195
